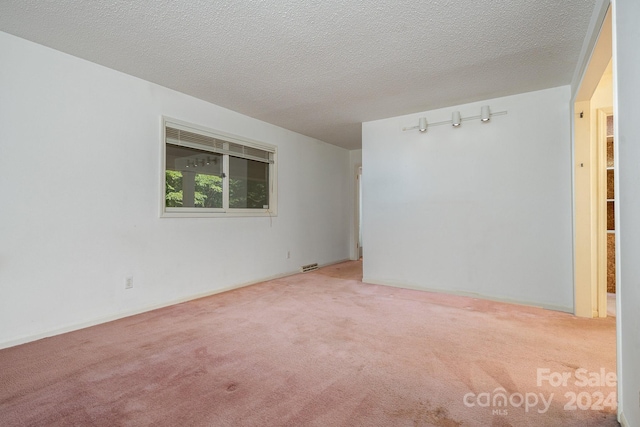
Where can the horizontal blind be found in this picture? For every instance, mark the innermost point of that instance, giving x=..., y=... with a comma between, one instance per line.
x=176, y=136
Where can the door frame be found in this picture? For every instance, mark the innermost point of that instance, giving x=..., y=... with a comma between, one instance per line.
x=586, y=177
x=357, y=249
x=602, y=229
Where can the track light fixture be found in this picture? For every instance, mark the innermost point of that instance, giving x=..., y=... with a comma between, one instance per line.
x=422, y=127
x=455, y=119
x=485, y=114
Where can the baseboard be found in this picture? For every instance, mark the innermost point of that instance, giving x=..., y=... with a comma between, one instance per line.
x=122, y=315
x=335, y=262
x=623, y=420
x=469, y=294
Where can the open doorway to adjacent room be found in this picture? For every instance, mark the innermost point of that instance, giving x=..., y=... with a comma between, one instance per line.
x=358, y=219
x=595, y=176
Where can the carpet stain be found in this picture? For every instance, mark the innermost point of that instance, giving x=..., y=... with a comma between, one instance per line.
x=424, y=415
x=570, y=365
x=201, y=352
x=440, y=418
x=500, y=422
x=232, y=387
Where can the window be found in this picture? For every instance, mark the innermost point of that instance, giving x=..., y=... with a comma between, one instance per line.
x=210, y=173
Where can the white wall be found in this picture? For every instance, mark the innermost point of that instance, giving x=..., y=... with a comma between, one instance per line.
x=482, y=209
x=80, y=190
x=626, y=71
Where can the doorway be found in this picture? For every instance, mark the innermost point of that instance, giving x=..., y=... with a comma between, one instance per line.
x=593, y=108
x=607, y=204
x=358, y=216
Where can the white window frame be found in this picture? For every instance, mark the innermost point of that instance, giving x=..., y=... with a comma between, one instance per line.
x=225, y=211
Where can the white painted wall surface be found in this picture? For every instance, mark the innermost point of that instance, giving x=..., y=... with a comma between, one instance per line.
x=80, y=189
x=482, y=209
x=627, y=86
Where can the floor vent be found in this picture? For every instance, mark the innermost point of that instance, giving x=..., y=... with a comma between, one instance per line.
x=309, y=267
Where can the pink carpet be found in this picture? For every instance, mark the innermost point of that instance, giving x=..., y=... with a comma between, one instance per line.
x=319, y=349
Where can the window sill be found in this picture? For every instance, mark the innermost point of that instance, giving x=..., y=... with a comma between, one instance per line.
x=218, y=214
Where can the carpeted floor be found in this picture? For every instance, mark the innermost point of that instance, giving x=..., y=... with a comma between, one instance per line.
x=319, y=349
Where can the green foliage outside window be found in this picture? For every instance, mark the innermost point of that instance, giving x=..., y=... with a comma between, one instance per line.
x=208, y=192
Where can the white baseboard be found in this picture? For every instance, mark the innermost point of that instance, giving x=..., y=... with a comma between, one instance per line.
x=623, y=420
x=334, y=262
x=469, y=294
x=121, y=315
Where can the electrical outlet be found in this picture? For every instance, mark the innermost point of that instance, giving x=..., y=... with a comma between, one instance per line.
x=128, y=283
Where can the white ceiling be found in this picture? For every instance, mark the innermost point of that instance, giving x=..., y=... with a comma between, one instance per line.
x=320, y=67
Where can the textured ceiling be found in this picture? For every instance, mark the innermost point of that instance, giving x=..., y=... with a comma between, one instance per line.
x=319, y=67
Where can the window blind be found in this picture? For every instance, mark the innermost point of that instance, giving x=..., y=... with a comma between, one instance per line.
x=177, y=135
